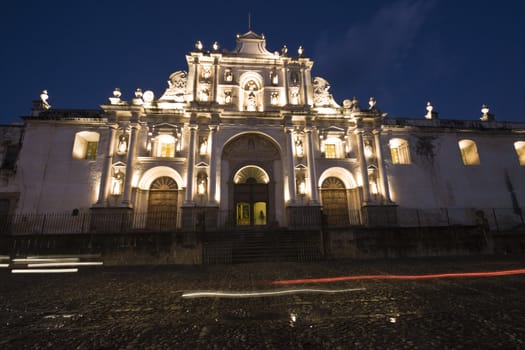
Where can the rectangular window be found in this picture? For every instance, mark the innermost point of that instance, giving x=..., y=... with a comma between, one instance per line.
x=11, y=154
x=91, y=150
x=167, y=149
x=330, y=151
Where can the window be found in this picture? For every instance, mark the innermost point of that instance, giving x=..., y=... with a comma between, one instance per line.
x=165, y=146
x=86, y=145
x=330, y=150
x=11, y=154
x=333, y=148
x=469, y=152
x=400, y=151
x=520, y=151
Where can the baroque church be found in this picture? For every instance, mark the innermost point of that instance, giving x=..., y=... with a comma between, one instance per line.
x=253, y=139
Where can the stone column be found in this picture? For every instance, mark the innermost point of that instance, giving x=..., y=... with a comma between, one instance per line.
x=311, y=166
x=215, y=81
x=191, y=164
x=126, y=197
x=303, y=82
x=381, y=165
x=106, y=170
x=195, y=77
x=285, y=84
x=212, y=181
x=291, y=167
x=363, y=165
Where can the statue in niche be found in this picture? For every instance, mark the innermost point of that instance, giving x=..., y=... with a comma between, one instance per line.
x=274, y=99
x=294, y=93
x=299, y=147
x=227, y=97
x=205, y=94
x=251, y=104
x=206, y=72
x=294, y=78
x=228, y=75
x=176, y=87
x=118, y=179
x=203, y=148
x=274, y=78
x=122, y=144
x=202, y=184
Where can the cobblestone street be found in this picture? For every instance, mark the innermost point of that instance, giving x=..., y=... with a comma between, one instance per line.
x=151, y=308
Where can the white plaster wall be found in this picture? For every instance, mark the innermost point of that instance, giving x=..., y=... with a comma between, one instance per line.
x=446, y=182
x=49, y=178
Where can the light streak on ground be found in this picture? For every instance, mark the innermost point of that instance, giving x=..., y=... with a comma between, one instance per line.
x=32, y=260
x=265, y=293
x=46, y=264
x=21, y=271
x=4, y=265
x=400, y=277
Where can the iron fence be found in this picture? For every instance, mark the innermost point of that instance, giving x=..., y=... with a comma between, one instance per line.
x=204, y=219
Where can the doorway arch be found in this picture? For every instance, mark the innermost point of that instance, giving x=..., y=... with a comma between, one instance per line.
x=250, y=196
x=335, y=201
x=162, y=204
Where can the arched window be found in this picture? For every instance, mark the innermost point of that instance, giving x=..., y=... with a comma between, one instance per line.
x=469, y=152
x=165, y=146
x=400, y=151
x=86, y=145
x=520, y=151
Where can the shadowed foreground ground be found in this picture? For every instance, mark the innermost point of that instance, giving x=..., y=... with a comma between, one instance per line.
x=144, y=307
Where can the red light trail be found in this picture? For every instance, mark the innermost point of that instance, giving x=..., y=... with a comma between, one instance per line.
x=400, y=277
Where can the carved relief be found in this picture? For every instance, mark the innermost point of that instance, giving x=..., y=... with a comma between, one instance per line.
x=247, y=146
x=321, y=95
x=176, y=87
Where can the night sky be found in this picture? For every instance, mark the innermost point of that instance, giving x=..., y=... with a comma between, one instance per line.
x=457, y=54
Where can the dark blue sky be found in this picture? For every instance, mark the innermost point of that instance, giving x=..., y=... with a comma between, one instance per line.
x=458, y=54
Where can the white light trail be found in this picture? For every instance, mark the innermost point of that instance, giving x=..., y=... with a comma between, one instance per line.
x=32, y=260
x=4, y=265
x=21, y=271
x=264, y=294
x=45, y=264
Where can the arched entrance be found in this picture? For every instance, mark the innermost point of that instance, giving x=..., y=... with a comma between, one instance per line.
x=162, y=204
x=335, y=202
x=250, y=196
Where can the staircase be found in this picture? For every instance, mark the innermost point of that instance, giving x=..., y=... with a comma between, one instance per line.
x=250, y=246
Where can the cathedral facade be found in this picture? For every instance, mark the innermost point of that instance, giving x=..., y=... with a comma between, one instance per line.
x=248, y=138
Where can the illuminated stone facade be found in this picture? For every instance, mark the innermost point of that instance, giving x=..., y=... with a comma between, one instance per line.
x=251, y=138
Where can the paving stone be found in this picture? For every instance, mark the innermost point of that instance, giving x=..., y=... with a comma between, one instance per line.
x=143, y=307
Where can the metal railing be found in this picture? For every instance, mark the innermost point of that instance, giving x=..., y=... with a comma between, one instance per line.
x=201, y=220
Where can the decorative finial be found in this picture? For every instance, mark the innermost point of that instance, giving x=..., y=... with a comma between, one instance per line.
x=300, y=50
x=198, y=45
x=138, y=97
x=215, y=46
x=372, y=102
x=429, y=107
x=115, y=100
x=485, y=115
x=284, y=50
x=431, y=114
x=355, y=104
x=43, y=98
